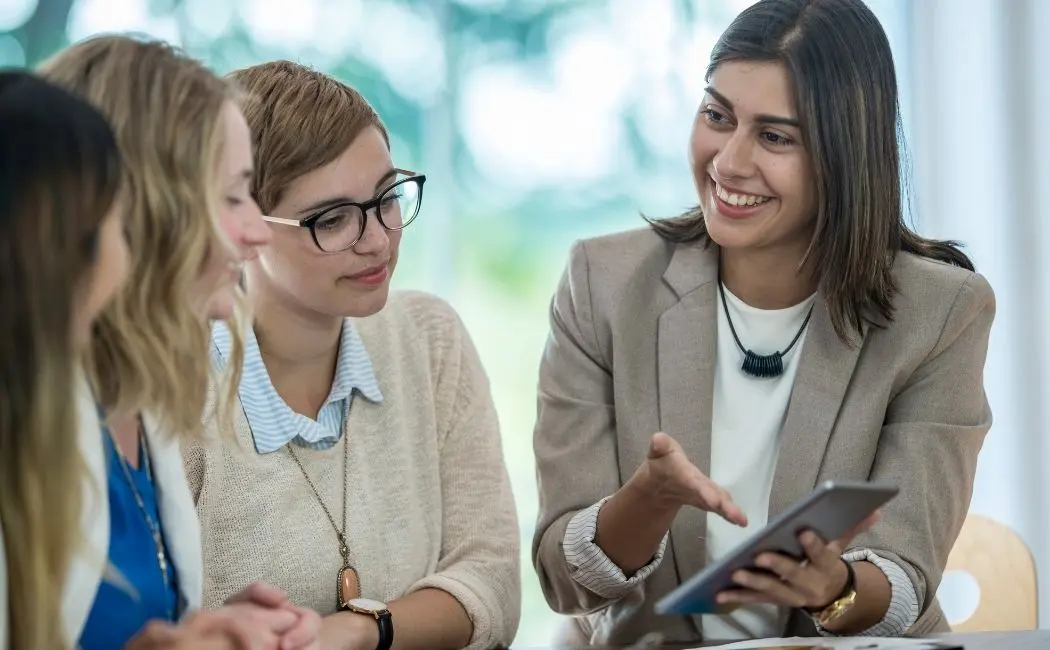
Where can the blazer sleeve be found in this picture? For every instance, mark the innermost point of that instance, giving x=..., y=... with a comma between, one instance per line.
x=480, y=560
x=575, y=435
x=933, y=431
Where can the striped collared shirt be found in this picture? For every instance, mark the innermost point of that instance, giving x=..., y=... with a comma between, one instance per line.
x=273, y=423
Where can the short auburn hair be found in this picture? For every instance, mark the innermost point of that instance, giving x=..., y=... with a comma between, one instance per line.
x=301, y=120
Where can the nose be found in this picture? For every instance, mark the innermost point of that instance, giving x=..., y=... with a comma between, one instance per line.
x=735, y=159
x=375, y=240
x=254, y=232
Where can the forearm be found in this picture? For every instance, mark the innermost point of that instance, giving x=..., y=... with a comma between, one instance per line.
x=428, y=619
x=631, y=526
x=873, y=601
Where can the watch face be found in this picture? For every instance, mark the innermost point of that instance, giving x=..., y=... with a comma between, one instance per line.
x=367, y=604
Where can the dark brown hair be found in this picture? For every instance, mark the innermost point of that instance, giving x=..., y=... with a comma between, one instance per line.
x=300, y=120
x=59, y=176
x=841, y=66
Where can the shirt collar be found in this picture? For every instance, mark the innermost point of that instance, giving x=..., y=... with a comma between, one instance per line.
x=273, y=423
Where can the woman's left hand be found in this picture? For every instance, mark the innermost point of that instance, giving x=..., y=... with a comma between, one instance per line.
x=812, y=583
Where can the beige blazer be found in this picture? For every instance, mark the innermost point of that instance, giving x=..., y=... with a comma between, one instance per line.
x=632, y=352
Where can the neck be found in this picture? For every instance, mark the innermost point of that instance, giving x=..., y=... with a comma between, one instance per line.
x=300, y=353
x=767, y=279
x=124, y=427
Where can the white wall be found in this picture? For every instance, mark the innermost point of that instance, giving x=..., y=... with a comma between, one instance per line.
x=981, y=87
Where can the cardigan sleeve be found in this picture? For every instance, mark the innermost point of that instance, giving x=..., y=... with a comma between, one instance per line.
x=480, y=556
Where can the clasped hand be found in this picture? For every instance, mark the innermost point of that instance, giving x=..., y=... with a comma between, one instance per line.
x=257, y=618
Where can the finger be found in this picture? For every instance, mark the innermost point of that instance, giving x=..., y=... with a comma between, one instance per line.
x=778, y=590
x=660, y=445
x=260, y=594
x=304, y=632
x=209, y=623
x=786, y=568
x=823, y=556
x=714, y=498
x=730, y=510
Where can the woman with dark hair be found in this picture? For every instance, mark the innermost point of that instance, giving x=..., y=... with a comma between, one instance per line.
x=62, y=257
x=788, y=330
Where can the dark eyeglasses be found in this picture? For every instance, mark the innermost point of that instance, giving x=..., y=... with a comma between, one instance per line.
x=339, y=227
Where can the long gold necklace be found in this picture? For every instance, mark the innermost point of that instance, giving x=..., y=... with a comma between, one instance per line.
x=154, y=527
x=347, y=583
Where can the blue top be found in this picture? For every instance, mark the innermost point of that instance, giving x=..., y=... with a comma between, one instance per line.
x=132, y=591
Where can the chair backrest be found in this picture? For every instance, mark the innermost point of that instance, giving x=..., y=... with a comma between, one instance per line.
x=1002, y=565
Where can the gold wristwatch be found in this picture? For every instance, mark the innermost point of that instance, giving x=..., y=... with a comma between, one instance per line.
x=845, y=601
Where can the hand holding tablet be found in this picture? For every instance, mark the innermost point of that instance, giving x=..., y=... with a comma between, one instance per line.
x=800, y=568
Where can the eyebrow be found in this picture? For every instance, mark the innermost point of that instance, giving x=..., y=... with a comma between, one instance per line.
x=324, y=204
x=245, y=174
x=763, y=117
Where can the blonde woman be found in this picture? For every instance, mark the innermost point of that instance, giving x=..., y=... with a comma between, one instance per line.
x=191, y=223
x=62, y=256
x=377, y=492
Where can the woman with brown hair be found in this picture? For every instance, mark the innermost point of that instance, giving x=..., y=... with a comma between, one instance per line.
x=704, y=373
x=191, y=224
x=376, y=492
x=62, y=257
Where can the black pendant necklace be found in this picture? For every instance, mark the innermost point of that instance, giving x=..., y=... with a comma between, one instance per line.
x=763, y=366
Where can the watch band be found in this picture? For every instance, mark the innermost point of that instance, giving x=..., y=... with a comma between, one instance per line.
x=848, y=593
x=386, y=630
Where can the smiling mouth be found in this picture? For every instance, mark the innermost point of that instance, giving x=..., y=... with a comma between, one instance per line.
x=739, y=199
x=369, y=273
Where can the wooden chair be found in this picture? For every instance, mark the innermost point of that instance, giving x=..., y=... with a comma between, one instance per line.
x=1002, y=565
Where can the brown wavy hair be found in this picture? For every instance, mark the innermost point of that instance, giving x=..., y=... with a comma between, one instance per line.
x=300, y=120
x=841, y=66
x=59, y=176
x=149, y=351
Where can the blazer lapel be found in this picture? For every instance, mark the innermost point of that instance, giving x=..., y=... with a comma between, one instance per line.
x=686, y=349
x=89, y=562
x=823, y=375
x=178, y=516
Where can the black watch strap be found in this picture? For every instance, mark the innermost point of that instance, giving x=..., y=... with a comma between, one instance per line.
x=386, y=630
x=851, y=581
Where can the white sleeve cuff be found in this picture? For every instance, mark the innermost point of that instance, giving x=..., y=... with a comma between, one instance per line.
x=590, y=567
x=904, y=603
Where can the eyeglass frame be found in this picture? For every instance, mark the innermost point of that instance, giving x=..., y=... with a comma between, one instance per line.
x=371, y=204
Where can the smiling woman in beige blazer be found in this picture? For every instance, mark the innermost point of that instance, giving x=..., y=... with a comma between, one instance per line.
x=789, y=329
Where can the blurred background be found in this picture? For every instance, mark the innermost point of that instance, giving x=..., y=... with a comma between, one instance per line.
x=542, y=121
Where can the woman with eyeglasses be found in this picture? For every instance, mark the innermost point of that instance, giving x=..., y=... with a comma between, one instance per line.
x=374, y=489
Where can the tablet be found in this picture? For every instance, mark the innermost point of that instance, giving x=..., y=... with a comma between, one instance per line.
x=830, y=511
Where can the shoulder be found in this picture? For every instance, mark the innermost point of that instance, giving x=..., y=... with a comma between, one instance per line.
x=618, y=256
x=415, y=330
x=932, y=290
x=412, y=315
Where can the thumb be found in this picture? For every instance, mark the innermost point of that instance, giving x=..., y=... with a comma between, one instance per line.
x=660, y=445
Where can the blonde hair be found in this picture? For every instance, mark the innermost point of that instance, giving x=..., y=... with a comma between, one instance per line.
x=300, y=120
x=59, y=176
x=150, y=348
